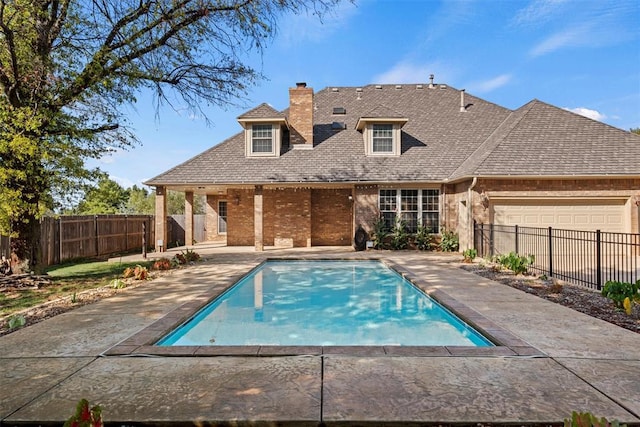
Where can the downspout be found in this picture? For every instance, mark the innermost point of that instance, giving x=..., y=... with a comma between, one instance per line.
x=470, y=213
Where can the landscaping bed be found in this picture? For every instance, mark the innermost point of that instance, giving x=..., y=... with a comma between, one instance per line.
x=578, y=298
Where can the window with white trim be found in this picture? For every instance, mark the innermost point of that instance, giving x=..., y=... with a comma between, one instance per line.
x=262, y=139
x=414, y=207
x=388, y=203
x=431, y=210
x=382, y=138
x=222, y=217
x=409, y=210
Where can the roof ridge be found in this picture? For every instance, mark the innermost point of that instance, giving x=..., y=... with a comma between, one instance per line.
x=484, y=150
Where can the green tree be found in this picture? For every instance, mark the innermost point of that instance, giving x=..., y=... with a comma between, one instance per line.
x=140, y=202
x=66, y=66
x=635, y=130
x=175, y=203
x=108, y=197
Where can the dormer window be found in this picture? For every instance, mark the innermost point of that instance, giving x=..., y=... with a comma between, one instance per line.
x=381, y=130
x=382, y=139
x=262, y=139
x=263, y=131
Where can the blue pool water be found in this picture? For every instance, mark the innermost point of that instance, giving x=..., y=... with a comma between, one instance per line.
x=324, y=303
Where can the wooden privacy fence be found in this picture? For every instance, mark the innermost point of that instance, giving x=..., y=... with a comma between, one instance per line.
x=87, y=236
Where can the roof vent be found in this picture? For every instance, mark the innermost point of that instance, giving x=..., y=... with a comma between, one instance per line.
x=359, y=92
x=463, y=108
x=358, y=89
x=378, y=86
x=443, y=87
x=338, y=126
x=339, y=110
x=398, y=86
x=419, y=87
x=335, y=89
x=431, y=77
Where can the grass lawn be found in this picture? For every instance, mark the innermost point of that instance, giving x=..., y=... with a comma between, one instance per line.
x=67, y=280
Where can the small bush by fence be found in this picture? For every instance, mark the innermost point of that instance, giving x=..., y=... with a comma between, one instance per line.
x=587, y=258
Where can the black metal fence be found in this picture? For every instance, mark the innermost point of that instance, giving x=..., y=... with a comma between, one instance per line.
x=587, y=258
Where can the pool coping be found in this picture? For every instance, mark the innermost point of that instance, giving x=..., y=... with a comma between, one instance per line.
x=143, y=342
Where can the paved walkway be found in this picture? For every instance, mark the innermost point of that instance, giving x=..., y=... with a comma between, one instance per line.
x=590, y=365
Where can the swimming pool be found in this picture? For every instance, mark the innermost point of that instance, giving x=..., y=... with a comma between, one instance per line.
x=326, y=303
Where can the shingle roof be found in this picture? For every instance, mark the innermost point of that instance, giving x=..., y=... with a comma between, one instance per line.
x=438, y=143
x=539, y=139
x=262, y=111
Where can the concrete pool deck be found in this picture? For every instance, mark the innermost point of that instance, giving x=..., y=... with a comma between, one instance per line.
x=582, y=363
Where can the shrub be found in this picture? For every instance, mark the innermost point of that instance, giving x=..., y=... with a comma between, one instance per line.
x=586, y=419
x=399, y=236
x=180, y=259
x=191, y=256
x=162, y=264
x=17, y=321
x=128, y=272
x=449, y=241
x=514, y=262
x=470, y=254
x=424, y=239
x=623, y=294
x=85, y=417
x=118, y=284
x=140, y=273
x=380, y=233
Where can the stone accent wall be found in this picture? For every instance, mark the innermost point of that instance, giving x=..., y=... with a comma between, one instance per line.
x=301, y=114
x=331, y=217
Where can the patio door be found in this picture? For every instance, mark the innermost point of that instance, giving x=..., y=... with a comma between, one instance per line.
x=222, y=217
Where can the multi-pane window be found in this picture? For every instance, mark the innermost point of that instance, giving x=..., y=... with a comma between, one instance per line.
x=222, y=217
x=413, y=207
x=261, y=138
x=409, y=209
x=388, y=207
x=382, y=138
x=431, y=210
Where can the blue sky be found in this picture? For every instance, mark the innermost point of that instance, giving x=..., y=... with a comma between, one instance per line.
x=583, y=55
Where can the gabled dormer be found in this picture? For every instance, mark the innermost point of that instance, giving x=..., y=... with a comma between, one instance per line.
x=381, y=131
x=263, y=130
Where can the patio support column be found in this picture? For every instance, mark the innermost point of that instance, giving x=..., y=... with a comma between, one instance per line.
x=258, y=218
x=161, y=218
x=188, y=218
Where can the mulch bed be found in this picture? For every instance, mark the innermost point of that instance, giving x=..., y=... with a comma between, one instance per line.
x=578, y=298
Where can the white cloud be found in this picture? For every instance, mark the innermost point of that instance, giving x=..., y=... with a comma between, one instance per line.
x=491, y=84
x=407, y=72
x=571, y=37
x=587, y=112
x=538, y=12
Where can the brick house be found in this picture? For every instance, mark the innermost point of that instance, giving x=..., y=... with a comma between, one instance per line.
x=427, y=153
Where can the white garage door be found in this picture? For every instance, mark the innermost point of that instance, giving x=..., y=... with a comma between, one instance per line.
x=590, y=215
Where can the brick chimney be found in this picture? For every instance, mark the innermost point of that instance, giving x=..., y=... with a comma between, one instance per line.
x=301, y=114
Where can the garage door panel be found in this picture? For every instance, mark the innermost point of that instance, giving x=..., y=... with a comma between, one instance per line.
x=605, y=215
